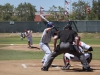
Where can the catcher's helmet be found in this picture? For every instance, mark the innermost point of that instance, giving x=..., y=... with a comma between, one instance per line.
x=50, y=24
x=79, y=37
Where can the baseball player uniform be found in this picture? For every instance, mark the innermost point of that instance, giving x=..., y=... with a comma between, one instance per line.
x=44, y=42
x=83, y=47
x=28, y=34
x=66, y=37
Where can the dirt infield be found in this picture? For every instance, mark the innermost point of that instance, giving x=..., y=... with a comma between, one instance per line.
x=33, y=67
x=25, y=47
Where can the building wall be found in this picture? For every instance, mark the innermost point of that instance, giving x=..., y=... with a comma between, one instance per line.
x=38, y=18
x=47, y=14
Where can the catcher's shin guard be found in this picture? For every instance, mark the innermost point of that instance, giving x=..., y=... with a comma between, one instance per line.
x=66, y=60
x=66, y=63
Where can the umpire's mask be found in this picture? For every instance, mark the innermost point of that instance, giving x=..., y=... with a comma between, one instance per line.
x=68, y=26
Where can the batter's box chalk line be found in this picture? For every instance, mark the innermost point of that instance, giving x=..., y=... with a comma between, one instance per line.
x=24, y=65
x=31, y=65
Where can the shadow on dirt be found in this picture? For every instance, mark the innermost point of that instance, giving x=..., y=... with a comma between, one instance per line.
x=34, y=47
x=75, y=69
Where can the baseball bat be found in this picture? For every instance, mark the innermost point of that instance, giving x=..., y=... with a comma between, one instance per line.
x=47, y=21
x=55, y=28
x=44, y=18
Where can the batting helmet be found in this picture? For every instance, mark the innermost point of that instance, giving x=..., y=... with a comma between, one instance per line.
x=50, y=24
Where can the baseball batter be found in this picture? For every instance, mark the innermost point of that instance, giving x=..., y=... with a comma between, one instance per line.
x=45, y=39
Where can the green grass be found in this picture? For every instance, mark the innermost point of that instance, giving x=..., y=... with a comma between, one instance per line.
x=19, y=55
x=96, y=53
x=22, y=55
x=17, y=40
x=91, y=41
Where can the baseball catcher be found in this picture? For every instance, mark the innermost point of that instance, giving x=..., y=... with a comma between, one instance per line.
x=84, y=48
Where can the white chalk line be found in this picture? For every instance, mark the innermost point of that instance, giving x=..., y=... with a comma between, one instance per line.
x=24, y=65
x=56, y=67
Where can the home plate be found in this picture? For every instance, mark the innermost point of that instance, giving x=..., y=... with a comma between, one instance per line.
x=57, y=67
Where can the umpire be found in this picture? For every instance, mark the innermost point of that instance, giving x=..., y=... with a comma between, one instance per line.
x=66, y=36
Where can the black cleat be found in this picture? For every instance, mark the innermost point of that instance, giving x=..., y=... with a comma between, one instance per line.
x=88, y=70
x=44, y=69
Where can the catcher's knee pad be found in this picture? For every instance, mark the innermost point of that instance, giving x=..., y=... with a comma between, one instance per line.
x=90, y=58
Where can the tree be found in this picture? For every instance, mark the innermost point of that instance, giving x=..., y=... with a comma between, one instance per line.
x=61, y=12
x=79, y=10
x=96, y=9
x=53, y=12
x=7, y=12
x=1, y=16
x=57, y=13
x=25, y=12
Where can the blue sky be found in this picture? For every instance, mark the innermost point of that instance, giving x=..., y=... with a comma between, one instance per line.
x=46, y=4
